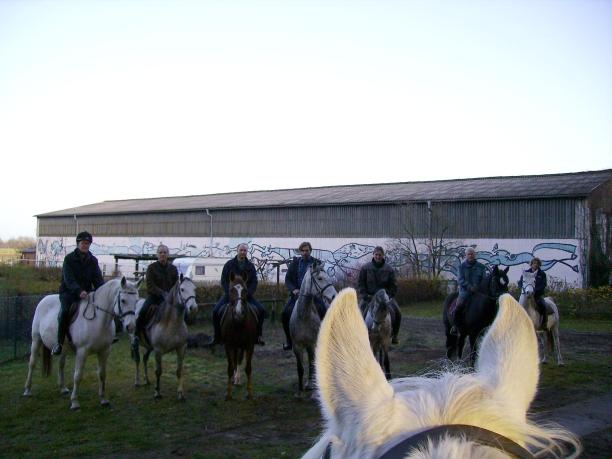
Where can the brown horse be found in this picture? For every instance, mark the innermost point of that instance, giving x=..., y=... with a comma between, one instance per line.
x=238, y=333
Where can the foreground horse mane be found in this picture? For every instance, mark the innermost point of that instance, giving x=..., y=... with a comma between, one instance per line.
x=365, y=415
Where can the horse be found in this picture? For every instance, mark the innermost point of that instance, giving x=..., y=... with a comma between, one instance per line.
x=168, y=332
x=305, y=321
x=378, y=323
x=92, y=332
x=550, y=333
x=479, y=313
x=239, y=334
x=450, y=414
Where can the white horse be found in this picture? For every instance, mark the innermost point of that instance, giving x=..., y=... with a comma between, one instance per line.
x=453, y=414
x=168, y=333
x=378, y=322
x=92, y=332
x=305, y=321
x=550, y=334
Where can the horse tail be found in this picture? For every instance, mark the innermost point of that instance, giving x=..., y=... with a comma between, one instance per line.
x=46, y=362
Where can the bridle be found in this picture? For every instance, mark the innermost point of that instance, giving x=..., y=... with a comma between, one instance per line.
x=112, y=313
x=475, y=434
x=320, y=289
x=183, y=301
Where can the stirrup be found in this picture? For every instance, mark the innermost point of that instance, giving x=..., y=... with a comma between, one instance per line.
x=57, y=349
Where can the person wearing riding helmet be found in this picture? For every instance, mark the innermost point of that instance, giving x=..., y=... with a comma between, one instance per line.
x=373, y=276
x=293, y=281
x=539, y=287
x=80, y=275
x=161, y=276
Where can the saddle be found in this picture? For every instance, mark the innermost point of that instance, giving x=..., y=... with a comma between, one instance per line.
x=452, y=306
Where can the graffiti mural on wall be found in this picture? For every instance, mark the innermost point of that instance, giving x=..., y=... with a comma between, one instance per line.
x=341, y=261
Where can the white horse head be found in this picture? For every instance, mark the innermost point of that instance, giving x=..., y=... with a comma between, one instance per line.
x=318, y=283
x=528, y=286
x=186, y=295
x=366, y=416
x=125, y=305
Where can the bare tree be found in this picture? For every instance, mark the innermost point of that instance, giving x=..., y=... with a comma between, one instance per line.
x=425, y=247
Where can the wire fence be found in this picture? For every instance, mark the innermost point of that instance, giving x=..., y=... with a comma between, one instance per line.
x=16, y=313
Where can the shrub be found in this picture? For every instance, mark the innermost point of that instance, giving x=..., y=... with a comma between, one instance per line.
x=29, y=280
x=415, y=290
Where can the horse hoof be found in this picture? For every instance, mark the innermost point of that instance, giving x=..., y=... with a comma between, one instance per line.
x=228, y=398
x=104, y=402
x=157, y=396
x=299, y=395
x=75, y=407
x=27, y=393
x=561, y=364
x=64, y=391
x=181, y=398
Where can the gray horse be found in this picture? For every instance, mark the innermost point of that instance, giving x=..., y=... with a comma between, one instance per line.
x=168, y=333
x=305, y=321
x=378, y=323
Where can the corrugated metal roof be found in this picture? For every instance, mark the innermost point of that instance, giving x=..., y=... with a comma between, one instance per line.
x=577, y=184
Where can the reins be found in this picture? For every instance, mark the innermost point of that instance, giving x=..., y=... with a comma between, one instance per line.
x=475, y=434
x=112, y=313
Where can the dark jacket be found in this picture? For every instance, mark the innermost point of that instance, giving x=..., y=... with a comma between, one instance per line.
x=248, y=273
x=80, y=274
x=160, y=278
x=540, y=282
x=293, y=280
x=372, y=278
x=470, y=276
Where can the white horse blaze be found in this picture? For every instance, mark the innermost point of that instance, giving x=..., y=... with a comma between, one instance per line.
x=366, y=415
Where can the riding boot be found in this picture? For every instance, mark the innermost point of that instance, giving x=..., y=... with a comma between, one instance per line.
x=216, y=339
x=288, y=343
x=62, y=329
x=260, y=341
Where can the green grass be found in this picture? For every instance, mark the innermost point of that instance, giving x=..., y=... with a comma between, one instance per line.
x=275, y=424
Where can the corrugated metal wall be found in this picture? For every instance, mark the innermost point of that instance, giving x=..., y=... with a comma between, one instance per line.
x=536, y=218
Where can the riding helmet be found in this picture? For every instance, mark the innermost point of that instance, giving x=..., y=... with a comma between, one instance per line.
x=84, y=236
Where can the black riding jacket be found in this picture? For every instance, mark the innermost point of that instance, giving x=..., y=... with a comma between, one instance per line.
x=80, y=273
x=160, y=278
x=372, y=278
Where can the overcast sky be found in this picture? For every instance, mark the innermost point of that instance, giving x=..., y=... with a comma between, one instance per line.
x=105, y=100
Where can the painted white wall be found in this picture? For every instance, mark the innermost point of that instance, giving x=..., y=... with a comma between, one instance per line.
x=342, y=256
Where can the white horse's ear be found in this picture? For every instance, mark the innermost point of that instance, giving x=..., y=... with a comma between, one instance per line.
x=123, y=282
x=508, y=358
x=351, y=384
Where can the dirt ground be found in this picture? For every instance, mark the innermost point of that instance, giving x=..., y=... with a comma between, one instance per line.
x=586, y=397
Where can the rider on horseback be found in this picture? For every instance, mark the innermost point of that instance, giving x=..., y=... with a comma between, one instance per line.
x=161, y=276
x=374, y=276
x=539, y=287
x=293, y=280
x=241, y=266
x=80, y=275
x=471, y=273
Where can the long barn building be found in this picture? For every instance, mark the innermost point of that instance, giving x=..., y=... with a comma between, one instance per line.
x=564, y=219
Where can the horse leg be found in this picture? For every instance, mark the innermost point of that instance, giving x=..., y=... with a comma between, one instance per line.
x=543, y=345
x=180, y=357
x=557, y=344
x=460, y=346
x=451, y=346
x=145, y=365
x=310, y=385
x=136, y=358
x=387, y=364
x=33, y=354
x=102, y=359
x=60, y=372
x=232, y=358
x=79, y=368
x=247, y=367
x=300, y=370
x=158, y=373
x=473, y=349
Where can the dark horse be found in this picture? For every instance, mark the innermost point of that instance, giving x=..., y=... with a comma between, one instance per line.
x=239, y=334
x=479, y=313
